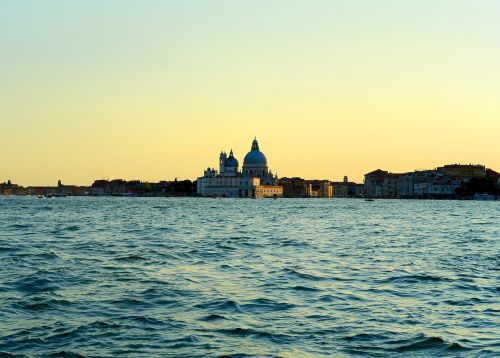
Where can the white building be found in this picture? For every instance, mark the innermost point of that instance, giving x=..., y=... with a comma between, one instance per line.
x=255, y=180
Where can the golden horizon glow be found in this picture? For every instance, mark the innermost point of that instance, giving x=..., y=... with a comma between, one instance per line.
x=119, y=89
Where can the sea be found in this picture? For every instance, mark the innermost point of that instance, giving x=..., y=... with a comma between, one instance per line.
x=204, y=277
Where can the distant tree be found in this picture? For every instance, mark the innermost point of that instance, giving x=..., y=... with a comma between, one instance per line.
x=182, y=187
x=146, y=187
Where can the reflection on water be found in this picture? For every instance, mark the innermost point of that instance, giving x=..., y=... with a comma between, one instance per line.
x=192, y=277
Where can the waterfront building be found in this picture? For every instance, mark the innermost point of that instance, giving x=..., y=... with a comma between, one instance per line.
x=347, y=189
x=70, y=190
x=8, y=188
x=381, y=184
x=440, y=183
x=463, y=171
x=373, y=183
x=255, y=180
x=319, y=189
x=120, y=187
x=293, y=187
x=325, y=189
x=59, y=190
x=340, y=190
x=356, y=190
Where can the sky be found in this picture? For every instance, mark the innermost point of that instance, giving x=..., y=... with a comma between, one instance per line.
x=154, y=90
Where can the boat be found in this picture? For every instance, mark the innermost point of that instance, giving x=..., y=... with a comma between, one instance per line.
x=369, y=199
x=483, y=196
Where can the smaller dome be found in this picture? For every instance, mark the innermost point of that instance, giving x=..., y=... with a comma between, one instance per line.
x=231, y=161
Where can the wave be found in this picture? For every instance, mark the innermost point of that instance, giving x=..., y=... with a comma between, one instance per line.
x=20, y=226
x=331, y=298
x=305, y=288
x=40, y=304
x=9, y=248
x=66, y=354
x=363, y=337
x=97, y=327
x=383, y=343
x=186, y=342
x=416, y=279
x=34, y=284
x=145, y=320
x=130, y=302
x=130, y=258
x=306, y=276
x=265, y=305
x=48, y=255
x=466, y=302
x=213, y=317
x=245, y=332
x=427, y=343
x=9, y=355
x=65, y=229
x=220, y=305
x=167, y=229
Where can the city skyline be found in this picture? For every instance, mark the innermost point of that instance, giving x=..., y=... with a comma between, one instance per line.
x=465, y=166
x=123, y=90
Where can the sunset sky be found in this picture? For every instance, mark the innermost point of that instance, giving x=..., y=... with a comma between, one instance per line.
x=154, y=90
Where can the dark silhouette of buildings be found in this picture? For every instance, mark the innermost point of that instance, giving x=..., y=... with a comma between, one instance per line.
x=120, y=187
x=454, y=181
x=447, y=182
x=293, y=187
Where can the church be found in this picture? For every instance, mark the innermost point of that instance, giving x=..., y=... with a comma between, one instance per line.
x=254, y=180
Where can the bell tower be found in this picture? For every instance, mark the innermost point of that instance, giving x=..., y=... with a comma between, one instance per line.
x=222, y=159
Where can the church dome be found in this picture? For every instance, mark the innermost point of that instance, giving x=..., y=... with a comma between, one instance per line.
x=255, y=156
x=231, y=161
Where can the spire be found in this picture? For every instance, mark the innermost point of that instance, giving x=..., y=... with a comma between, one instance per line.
x=231, y=153
x=255, y=144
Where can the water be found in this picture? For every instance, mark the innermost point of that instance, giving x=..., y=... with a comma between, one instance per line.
x=107, y=277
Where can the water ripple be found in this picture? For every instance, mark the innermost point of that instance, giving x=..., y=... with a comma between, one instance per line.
x=192, y=277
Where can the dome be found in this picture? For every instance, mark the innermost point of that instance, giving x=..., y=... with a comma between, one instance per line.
x=231, y=161
x=255, y=156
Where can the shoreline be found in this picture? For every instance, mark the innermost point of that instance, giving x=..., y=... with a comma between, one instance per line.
x=491, y=198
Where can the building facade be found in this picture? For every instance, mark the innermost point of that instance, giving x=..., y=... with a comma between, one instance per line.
x=347, y=189
x=255, y=180
x=293, y=187
x=440, y=183
x=319, y=189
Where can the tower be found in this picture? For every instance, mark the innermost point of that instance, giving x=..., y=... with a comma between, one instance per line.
x=222, y=160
